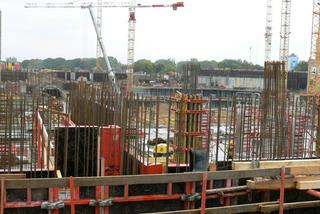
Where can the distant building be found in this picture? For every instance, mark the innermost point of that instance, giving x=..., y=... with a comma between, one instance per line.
x=245, y=79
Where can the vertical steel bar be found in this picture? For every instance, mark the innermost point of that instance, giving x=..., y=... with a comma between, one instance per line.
x=168, y=135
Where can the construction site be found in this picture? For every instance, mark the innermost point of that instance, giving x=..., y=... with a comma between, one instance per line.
x=73, y=142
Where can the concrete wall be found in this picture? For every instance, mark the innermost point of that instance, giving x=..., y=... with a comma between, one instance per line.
x=230, y=82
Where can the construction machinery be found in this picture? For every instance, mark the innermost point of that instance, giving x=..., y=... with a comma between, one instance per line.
x=314, y=60
x=162, y=150
x=111, y=74
x=131, y=29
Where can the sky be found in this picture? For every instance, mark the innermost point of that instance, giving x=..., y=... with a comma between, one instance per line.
x=203, y=29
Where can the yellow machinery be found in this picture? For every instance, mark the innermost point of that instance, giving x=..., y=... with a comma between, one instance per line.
x=161, y=150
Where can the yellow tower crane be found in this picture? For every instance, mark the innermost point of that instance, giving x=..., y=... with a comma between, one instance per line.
x=314, y=60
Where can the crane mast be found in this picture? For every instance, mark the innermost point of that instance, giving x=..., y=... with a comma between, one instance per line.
x=268, y=34
x=285, y=31
x=131, y=37
x=314, y=60
x=131, y=42
x=99, y=25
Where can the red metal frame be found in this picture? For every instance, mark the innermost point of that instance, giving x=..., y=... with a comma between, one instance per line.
x=73, y=211
x=204, y=194
x=111, y=149
x=103, y=193
x=282, y=189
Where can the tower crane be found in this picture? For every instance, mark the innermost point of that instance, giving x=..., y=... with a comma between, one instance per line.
x=285, y=31
x=99, y=25
x=131, y=36
x=131, y=28
x=268, y=34
x=314, y=60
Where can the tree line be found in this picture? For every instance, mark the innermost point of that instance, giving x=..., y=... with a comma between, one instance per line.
x=72, y=64
x=143, y=65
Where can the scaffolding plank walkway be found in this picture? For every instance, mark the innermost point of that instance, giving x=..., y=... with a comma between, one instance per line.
x=276, y=164
x=306, y=185
x=270, y=184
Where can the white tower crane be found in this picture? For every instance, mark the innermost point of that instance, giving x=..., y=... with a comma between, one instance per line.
x=131, y=34
x=99, y=25
x=131, y=41
x=268, y=34
x=285, y=31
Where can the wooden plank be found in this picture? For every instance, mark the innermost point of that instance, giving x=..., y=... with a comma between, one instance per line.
x=306, y=185
x=58, y=173
x=290, y=206
x=13, y=176
x=36, y=183
x=272, y=184
x=276, y=164
x=174, y=178
x=138, y=179
x=238, y=174
x=305, y=170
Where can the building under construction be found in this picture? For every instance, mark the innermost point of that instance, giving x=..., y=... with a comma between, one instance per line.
x=237, y=142
x=79, y=147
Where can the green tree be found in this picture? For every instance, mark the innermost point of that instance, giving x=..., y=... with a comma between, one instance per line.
x=78, y=63
x=144, y=65
x=302, y=66
x=31, y=64
x=238, y=64
x=206, y=64
x=164, y=66
x=73, y=63
x=57, y=63
x=115, y=64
